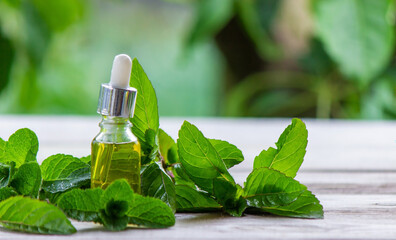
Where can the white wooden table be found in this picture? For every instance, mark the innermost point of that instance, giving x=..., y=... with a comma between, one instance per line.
x=350, y=166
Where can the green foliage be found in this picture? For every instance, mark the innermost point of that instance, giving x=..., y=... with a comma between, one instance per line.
x=6, y=173
x=21, y=147
x=146, y=109
x=211, y=16
x=199, y=158
x=290, y=152
x=156, y=183
x=271, y=191
x=63, y=172
x=150, y=212
x=168, y=148
x=266, y=190
x=191, y=200
x=20, y=213
x=115, y=207
x=360, y=39
x=6, y=192
x=230, y=154
x=82, y=205
x=27, y=180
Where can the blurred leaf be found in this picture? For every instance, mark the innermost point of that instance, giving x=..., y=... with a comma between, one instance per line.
x=357, y=34
x=257, y=17
x=293, y=93
x=210, y=17
x=59, y=14
x=6, y=60
x=379, y=102
x=316, y=61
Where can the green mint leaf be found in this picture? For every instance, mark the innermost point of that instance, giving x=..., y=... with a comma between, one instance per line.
x=27, y=180
x=31, y=215
x=150, y=147
x=191, y=200
x=290, y=152
x=119, y=190
x=82, y=205
x=228, y=194
x=199, y=158
x=230, y=154
x=6, y=173
x=150, y=212
x=115, y=203
x=156, y=183
x=146, y=109
x=86, y=159
x=2, y=149
x=63, y=172
x=22, y=146
x=114, y=222
x=7, y=192
x=168, y=148
x=271, y=191
x=51, y=197
x=180, y=176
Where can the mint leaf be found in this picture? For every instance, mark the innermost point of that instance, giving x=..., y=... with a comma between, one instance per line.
x=150, y=212
x=156, y=183
x=113, y=216
x=167, y=148
x=63, y=172
x=150, y=147
x=230, y=154
x=6, y=173
x=27, y=179
x=2, y=148
x=86, y=159
x=271, y=191
x=31, y=215
x=146, y=110
x=228, y=194
x=199, y=158
x=191, y=200
x=180, y=176
x=290, y=152
x=82, y=205
x=115, y=203
x=22, y=146
x=7, y=192
x=119, y=190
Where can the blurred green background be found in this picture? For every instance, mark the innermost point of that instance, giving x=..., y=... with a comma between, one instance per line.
x=256, y=58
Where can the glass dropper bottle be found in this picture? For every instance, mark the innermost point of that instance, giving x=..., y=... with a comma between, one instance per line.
x=116, y=151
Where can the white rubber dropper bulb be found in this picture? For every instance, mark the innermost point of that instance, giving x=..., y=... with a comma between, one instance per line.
x=121, y=71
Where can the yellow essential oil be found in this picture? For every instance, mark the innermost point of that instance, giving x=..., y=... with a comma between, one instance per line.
x=112, y=161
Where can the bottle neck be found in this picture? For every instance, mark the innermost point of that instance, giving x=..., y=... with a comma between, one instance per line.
x=115, y=130
x=114, y=123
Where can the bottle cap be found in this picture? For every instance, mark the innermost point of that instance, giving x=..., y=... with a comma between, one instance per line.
x=117, y=99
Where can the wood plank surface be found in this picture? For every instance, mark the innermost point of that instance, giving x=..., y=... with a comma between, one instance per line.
x=350, y=166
